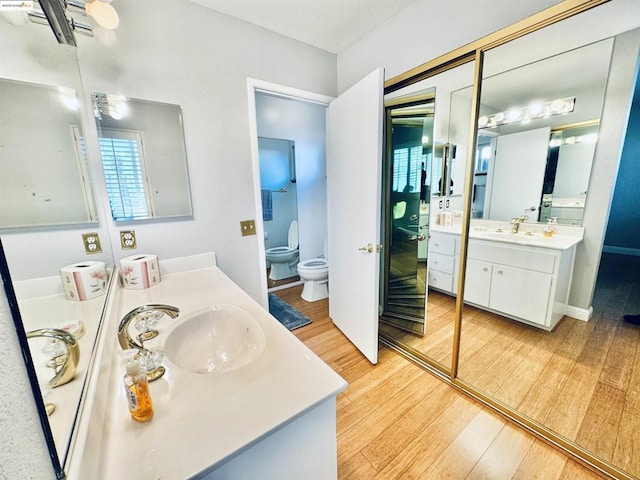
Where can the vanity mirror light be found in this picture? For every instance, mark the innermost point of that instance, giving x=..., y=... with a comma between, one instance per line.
x=538, y=129
x=143, y=157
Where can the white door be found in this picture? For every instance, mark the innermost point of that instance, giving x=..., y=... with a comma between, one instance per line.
x=518, y=174
x=354, y=171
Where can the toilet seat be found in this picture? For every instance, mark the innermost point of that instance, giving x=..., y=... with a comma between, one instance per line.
x=314, y=264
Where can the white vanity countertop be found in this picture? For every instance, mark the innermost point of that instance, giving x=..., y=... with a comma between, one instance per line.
x=50, y=312
x=202, y=420
x=530, y=234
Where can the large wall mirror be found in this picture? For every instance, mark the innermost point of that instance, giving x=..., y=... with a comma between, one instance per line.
x=143, y=156
x=48, y=170
x=52, y=165
x=47, y=204
x=538, y=128
x=43, y=160
x=545, y=121
x=414, y=257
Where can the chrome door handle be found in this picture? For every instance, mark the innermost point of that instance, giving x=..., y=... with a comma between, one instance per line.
x=420, y=237
x=413, y=217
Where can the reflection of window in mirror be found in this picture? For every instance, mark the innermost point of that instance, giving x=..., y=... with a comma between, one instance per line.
x=145, y=164
x=407, y=168
x=125, y=174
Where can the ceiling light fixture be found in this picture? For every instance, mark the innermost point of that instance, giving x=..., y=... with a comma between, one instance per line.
x=534, y=110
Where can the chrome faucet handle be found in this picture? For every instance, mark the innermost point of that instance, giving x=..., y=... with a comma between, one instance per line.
x=66, y=371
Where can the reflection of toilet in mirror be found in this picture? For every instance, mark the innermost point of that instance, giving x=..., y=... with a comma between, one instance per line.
x=283, y=259
x=315, y=275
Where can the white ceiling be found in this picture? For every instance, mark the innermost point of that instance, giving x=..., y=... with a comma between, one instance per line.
x=331, y=25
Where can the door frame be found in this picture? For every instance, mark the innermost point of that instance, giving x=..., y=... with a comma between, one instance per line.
x=255, y=86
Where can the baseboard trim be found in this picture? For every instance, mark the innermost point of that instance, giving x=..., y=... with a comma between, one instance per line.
x=621, y=250
x=579, y=313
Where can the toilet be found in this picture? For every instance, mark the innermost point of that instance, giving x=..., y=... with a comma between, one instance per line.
x=315, y=275
x=283, y=260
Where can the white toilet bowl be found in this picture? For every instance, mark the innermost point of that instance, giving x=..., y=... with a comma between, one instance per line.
x=315, y=274
x=283, y=260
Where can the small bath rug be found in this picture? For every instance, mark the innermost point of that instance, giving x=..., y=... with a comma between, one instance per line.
x=286, y=314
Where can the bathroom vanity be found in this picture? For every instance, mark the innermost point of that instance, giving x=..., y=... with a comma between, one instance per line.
x=524, y=276
x=273, y=418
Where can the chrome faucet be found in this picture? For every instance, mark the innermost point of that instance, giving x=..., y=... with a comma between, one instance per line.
x=516, y=221
x=145, y=313
x=66, y=368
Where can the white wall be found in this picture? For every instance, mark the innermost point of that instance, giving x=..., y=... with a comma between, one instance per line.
x=426, y=30
x=304, y=123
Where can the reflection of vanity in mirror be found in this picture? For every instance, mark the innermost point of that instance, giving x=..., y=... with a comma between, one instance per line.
x=55, y=212
x=547, y=115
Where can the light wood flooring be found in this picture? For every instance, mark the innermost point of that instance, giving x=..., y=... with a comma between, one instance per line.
x=582, y=380
x=397, y=421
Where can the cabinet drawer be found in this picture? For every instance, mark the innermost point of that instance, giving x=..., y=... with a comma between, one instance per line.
x=442, y=244
x=440, y=280
x=441, y=263
x=528, y=258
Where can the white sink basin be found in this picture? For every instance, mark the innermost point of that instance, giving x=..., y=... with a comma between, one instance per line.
x=215, y=339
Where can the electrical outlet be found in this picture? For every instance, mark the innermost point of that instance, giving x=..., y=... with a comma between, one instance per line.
x=91, y=243
x=248, y=227
x=128, y=239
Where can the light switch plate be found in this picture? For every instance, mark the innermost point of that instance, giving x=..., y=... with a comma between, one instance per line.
x=248, y=227
x=128, y=239
x=91, y=243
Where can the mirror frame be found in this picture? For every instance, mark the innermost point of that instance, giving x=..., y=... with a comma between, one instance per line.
x=474, y=51
x=28, y=362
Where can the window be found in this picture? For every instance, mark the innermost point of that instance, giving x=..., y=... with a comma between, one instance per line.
x=407, y=168
x=125, y=176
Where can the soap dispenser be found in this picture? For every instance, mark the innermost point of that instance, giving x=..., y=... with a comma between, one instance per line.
x=136, y=388
x=550, y=227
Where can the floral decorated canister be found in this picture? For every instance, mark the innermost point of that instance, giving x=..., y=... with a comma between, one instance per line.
x=139, y=271
x=84, y=280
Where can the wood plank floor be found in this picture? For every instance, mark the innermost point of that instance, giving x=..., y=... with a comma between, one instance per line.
x=582, y=380
x=397, y=421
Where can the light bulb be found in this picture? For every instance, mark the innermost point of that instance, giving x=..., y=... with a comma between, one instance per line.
x=535, y=109
x=499, y=117
x=103, y=13
x=483, y=121
x=513, y=115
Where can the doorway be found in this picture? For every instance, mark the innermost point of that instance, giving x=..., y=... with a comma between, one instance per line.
x=289, y=124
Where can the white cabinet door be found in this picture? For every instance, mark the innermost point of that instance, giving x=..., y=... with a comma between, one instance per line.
x=521, y=293
x=354, y=176
x=477, y=283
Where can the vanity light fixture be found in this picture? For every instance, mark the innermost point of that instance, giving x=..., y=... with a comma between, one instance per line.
x=114, y=106
x=103, y=13
x=588, y=138
x=533, y=111
x=65, y=17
